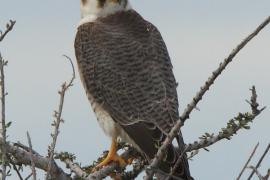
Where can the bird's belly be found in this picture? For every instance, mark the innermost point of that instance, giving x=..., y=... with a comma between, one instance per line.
x=110, y=127
x=105, y=121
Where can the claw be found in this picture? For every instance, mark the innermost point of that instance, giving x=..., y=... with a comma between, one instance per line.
x=112, y=156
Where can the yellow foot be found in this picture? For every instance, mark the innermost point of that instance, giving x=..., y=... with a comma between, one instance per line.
x=112, y=157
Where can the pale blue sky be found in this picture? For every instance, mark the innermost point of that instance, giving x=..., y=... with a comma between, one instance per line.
x=199, y=34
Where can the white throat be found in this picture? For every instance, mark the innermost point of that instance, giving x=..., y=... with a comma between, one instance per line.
x=91, y=10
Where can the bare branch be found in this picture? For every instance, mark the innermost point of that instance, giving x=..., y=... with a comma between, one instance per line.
x=138, y=167
x=260, y=161
x=58, y=118
x=233, y=126
x=246, y=164
x=22, y=156
x=255, y=170
x=9, y=27
x=15, y=168
x=28, y=177
x=74, y=167
x=190, y=107
x=3, y=63
x=31, y=156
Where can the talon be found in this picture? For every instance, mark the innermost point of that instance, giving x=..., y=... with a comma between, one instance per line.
x=112, y=156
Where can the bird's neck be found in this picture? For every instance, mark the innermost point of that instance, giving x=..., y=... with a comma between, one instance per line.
x=92, y=10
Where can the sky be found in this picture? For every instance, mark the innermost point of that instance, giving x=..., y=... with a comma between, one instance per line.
x=199, y=35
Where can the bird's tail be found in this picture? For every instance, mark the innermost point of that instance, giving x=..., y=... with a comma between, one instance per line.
x=175, y=166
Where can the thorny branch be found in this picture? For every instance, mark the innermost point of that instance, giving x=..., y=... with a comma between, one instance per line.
x=233, y=126
x=3, y=63
x=21, y=156
x=58, y=117
x=9, y=27
x=113, y=168
x=33, y=166
x=246, y=164
x=190, y=107
x=260, y=161
x=259, y=175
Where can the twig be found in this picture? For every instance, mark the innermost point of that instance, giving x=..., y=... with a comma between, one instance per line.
x=15, y=168
x=28, y=177
x=58, y=117
x=9, y=27
x=233, y=126
x=260, y=161
x=3, y=63
x=74, y=167
x=226, y=133
x=190, y=107
x=255, y=170
x=18, y=144
x=137, y=169
x=23, y=157
x=32, y=157
x=169, y=176
x=246, y=164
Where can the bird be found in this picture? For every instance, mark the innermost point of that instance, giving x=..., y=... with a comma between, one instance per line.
x=127, y=74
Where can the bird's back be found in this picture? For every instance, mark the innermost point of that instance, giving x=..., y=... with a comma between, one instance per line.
x=125, y=66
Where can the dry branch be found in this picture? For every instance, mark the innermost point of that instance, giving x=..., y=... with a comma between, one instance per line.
x=3, y=63
x=233, y=126
x=22, y=156
x=58, y=118
x=99, y=174
x=259, y=162
x=9, y=27
x=190, y=107
x=246, y=164
x=259, y=175
x=33, y=166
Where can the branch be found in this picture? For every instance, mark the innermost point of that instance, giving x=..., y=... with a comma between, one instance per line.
x=255, y=170
x=190, y=107
x=74, y=167
x=58, y=116
x=260, y=161
x=89, y=173
x=233, y=126
x=115, y=168
x=9, y=27
x=3, y=63
x=23, y=156
x=246, y=164
x=31, y=156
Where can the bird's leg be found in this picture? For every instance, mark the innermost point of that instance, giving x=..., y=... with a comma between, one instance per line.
x=112, y=156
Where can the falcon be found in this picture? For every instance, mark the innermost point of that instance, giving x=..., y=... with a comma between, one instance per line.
x=127, y=74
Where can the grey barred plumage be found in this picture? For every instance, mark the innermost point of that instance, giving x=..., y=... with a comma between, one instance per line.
x=126, y=69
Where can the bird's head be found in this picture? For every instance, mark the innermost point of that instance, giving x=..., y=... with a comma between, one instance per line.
x=92, y=9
